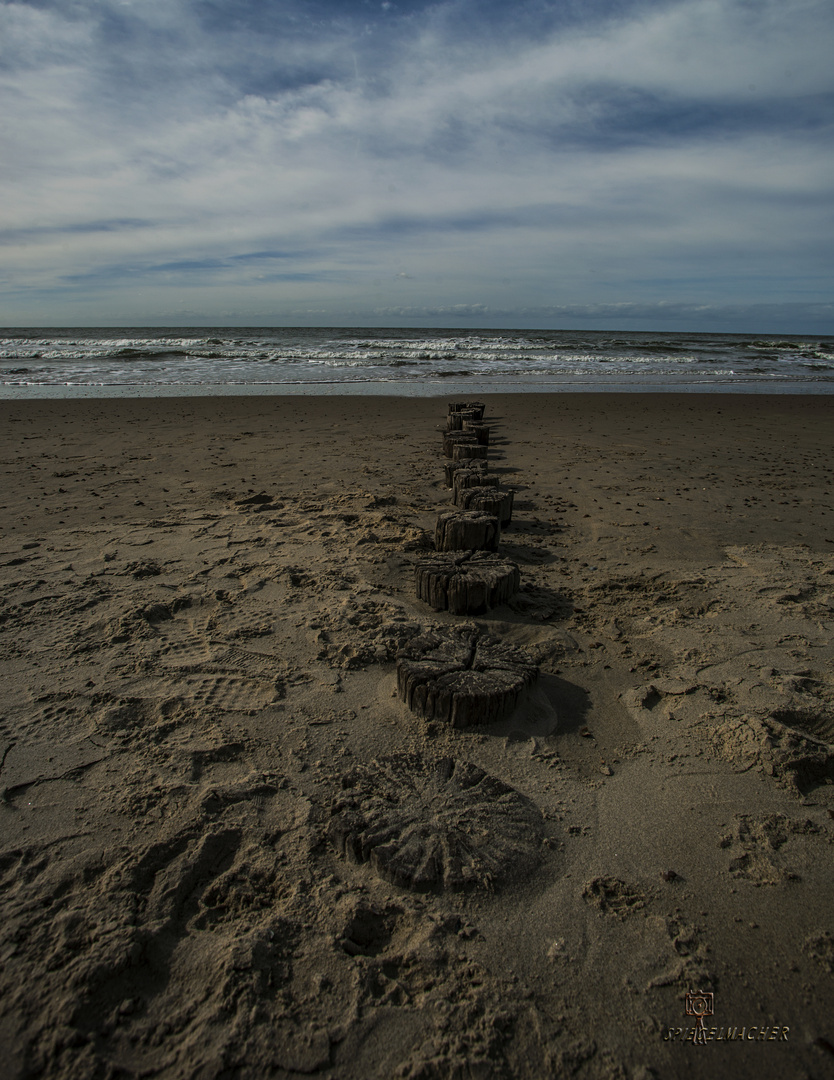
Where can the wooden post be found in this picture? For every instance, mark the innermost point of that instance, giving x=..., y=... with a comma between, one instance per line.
x=490, y=500
x=466, y=531
x=466, y=584
x=457, y=420
x=478, y=685
x=480, y=431
x=469, y=478
x=453, y=438
x=472, y=465
x=462, y=451
x=477, y=407
x=478, y=832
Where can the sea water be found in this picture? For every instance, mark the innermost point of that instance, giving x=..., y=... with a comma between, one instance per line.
x=139, y=362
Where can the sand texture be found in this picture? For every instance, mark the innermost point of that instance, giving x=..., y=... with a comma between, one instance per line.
x=228, y=849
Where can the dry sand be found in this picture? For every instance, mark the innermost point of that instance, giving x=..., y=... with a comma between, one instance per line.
x=202, y=606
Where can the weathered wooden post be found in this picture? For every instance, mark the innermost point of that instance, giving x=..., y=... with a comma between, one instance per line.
x=471, y=465
x=451, y=439
x=468, y=478
x=464, y=451
x=490, y=500
x=467, y=583
x=463, y=680
x=469, y=530
x=480, y=431
x=457, y=421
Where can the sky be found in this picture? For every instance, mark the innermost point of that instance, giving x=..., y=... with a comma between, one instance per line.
x=594, y=164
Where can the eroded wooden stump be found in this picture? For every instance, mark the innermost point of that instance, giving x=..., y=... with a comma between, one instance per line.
x=428, y=823
x=463, y=678
x=467, y=478
x=456, y=421
x=480, y=431
x=490, y=500
x=477, y=407
x=457, y=438
x=469, y=530
x=471, y=465
x=465, y=451
x=466, y=584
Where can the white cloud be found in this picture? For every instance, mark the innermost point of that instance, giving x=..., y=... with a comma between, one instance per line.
x=600, y=164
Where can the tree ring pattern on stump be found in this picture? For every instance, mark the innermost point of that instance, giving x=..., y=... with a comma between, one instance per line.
x=463, y=677
x=466, y=584
x=428, y=823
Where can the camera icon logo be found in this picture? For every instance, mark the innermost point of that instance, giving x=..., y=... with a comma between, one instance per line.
x=700, y=1005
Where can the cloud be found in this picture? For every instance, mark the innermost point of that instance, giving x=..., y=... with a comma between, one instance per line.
x=574, y=154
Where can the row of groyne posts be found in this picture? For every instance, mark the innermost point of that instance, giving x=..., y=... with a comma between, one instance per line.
x=466, y=675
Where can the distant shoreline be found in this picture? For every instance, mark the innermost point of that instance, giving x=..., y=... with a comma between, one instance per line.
x=436, y=389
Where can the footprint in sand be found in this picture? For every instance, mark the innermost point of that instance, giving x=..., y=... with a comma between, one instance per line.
x=756, y=845
x=229, y=693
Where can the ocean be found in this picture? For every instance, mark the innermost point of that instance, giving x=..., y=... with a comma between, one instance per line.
x=143, y=362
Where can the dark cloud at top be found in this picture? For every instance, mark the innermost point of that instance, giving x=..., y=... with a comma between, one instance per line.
x=526, y=156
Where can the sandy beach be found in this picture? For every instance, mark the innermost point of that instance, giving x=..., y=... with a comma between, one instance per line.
x=203, y=602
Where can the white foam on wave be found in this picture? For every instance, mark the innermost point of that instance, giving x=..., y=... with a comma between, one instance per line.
x=318, y=358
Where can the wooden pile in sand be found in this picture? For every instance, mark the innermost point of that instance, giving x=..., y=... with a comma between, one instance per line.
x=470, y=678
x=403, y=814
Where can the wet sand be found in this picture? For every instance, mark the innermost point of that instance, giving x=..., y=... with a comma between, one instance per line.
x=202, y=605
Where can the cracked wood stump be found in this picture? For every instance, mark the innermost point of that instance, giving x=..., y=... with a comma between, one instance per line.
x=472, y=465
x=463, y=677
x=456, y=420
x=468, y=530
x=466, y=584
x=426, y=823
x=469, y=478
x=477, y=407
x=451, y=439
x=480, y=431
x=467, y=451
x=489, y=500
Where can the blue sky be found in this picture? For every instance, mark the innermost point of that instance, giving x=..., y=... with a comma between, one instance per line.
x=584, y=163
